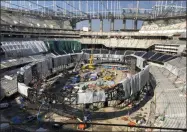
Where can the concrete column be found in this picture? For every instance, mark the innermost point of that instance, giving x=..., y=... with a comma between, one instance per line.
x=112, y=24
x=101, y=25
x=124, y=23
x=62, y=24
x=90, y=24
x=135, y=24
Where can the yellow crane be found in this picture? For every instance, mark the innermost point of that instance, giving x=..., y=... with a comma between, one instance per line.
x=90, y=65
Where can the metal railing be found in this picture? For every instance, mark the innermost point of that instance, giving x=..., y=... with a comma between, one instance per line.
x=92, y=127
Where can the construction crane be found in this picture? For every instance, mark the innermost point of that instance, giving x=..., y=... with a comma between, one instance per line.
x=90, y=65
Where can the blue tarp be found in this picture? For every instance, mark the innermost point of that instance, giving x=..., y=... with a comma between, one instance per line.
x=16, y=120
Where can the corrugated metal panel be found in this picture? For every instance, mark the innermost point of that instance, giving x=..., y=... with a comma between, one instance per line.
x=127, y=88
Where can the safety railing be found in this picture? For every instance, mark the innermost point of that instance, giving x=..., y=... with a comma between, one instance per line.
x=89, y=126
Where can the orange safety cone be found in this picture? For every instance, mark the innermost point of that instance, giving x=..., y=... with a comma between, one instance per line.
x=81, y=126
x=131, y=123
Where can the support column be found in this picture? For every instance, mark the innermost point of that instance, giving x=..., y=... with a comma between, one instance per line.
x=73, y=23
x=124, y=24
x=101, y=25
x=62, y=24
x=112, y=24
x=90, y=24
x=135, y=24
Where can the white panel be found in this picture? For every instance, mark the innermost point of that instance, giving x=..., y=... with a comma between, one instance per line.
x=54, y=61
x=133, y=85
x=78, y=57
x=84, y=98
x=49, y=63
x=86, y=56
x=58, y=61
x=146, y=74
x=126, y=88
x=39, y=69
x=139, y=63
x=27, y=75
x=68, y=59
x=65, y=60
x=137, y=82
x=141, y=79
x=99, y=96
x=45, y=69
x=23, y=89
x=121, y=57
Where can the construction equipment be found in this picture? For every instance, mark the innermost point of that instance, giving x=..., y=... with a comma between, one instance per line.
x=108, y=78
x=90, y=65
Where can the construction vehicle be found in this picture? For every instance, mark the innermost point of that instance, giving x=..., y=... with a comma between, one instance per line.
x=90, y=65
x=108, y=78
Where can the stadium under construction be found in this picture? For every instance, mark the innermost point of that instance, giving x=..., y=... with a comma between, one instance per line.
x=59, y=76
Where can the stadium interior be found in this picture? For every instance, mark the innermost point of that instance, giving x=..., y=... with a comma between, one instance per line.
x=56, y=77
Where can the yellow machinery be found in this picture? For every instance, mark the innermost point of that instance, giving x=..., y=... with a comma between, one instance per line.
x=90, y=65
x=108, y=78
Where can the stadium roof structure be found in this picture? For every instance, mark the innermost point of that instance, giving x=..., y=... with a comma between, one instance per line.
x=97, y=9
